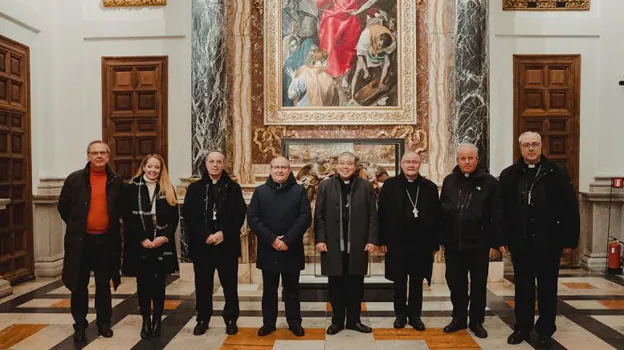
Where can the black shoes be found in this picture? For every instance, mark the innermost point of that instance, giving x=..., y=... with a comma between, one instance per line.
x=359, y=327
x=478, y=330
x=417, y=323
x=105, y=330
x=266, y=330
x=146, y=328
x=200, y=328
x=400, y=322
x=518, y=337
x=544, y=341
x=454, y=326
x=298, y=331
x=231, y=328
x=334, y=328
x=79, y=335
x=156, y=326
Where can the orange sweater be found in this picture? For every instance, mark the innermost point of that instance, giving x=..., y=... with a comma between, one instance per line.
x=97, y=219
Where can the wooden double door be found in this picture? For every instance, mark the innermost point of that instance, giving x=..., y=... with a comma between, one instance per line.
x=547, y=100
x=16, y=221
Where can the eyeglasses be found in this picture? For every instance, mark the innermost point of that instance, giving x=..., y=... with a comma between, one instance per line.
x=346, y=164
x=98, y=153
x=531, y=145
x=278, y=167
x=414, y=162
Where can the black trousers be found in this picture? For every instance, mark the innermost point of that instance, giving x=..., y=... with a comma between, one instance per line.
x=227, y=268
x=458, y=265
x=151, y=288
x=290, y=296
x=345, y=295
x=96, y=257
x=528, y=265
x=412, y=307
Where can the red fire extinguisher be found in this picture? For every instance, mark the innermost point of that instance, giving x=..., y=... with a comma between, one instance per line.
x=614, y=264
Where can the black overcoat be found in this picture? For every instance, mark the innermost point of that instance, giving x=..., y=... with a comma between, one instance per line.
x=395, y=224
x=362, y=223
x=73, y=206
x=556, y=207
x=136, y=259
x=280, y=210
x=231, y=208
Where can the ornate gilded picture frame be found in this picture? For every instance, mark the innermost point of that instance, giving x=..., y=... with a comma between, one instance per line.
x=134, y=3
x=339, y=62
x=546, y=5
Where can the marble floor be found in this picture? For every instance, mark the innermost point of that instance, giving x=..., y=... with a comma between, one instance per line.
x=36, y=316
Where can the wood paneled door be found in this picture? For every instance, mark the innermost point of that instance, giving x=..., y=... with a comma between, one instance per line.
x=547, y=100
x=16, y=221
x=134, y=103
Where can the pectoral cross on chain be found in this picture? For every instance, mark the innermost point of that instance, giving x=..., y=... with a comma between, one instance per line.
x=415, y=211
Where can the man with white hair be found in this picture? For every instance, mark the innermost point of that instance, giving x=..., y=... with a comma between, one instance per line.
x=540, y=218
x=471, y=225
x=409, y=210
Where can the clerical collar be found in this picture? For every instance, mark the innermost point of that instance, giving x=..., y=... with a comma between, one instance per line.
x=466, y=175
x=408, y=180
x=346, y=182
x=532, y=166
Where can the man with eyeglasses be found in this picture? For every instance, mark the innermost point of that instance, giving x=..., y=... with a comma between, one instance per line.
x=345, y=227
x=471, y=223
x=280, y=215
x=541, y=218
x=89, y=204
x=409, y=210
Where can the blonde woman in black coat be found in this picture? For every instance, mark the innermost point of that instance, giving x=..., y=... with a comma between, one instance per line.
x=150, y=221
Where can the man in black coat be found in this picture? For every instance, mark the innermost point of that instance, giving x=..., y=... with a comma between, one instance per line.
x=90, y=206
x=409, y=210
x=345, y=227
x=214, y=212
x=279, y=215
x=471, y=224
x=541, y=218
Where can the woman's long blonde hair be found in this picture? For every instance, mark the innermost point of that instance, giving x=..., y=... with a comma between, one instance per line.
x=164, y=182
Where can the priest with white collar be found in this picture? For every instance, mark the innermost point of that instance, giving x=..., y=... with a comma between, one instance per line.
x=409, y=210
x=541, y=218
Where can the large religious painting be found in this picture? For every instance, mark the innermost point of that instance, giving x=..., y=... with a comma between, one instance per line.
x=340, y=61
x=545, y=5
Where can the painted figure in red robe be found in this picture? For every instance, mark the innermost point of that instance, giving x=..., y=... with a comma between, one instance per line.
x=339, y=31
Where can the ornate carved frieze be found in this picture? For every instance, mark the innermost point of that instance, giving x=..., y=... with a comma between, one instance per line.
x=546, y=5
x=135, y=3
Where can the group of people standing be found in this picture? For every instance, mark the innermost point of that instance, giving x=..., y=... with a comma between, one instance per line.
x=531, y=211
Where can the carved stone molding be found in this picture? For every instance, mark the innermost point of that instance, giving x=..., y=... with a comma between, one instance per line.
x=546, y=5
x=269, y=139
x=412, y=137
x=134, y=3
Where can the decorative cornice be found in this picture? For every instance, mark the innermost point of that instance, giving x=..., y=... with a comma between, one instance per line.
x=134, y=3
x=546, y=5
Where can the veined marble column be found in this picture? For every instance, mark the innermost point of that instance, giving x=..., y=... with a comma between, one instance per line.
x=472, y=98
x=208, y=79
